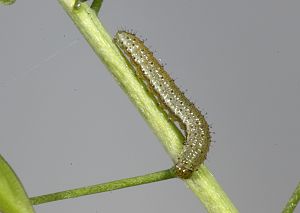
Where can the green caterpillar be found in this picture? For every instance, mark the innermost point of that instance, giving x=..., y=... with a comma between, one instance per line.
x=158, y=81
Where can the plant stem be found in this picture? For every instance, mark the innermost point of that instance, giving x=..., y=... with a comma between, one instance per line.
x=202, y=183
x=7, y=2
x=104, y=187
x=293, y=201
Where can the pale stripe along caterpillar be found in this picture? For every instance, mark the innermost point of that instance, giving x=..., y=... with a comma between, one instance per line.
x=169, y=95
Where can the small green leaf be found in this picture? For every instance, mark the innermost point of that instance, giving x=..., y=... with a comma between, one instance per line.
x=7, y=2
x=13, y=198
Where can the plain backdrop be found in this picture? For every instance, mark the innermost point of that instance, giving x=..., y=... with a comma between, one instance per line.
x=65, y=123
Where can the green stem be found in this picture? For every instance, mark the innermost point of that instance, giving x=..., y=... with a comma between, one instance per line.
x=104, y=187
x=96, y=5
x=202, y=183
x=13, y=198
x=293, y=201
x=7, y=2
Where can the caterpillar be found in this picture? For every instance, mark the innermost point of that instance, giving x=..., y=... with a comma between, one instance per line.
x=158, y=81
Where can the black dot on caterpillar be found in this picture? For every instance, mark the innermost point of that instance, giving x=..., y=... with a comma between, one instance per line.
x=190, y=119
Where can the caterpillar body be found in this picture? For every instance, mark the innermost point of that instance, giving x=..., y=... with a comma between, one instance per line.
x=190, y=119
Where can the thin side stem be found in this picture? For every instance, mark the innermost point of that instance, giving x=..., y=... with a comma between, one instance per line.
x=293, y=201
x=104, y=187
x=96, y=5
x=202, y=183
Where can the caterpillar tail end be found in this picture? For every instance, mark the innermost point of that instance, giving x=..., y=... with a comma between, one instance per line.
x=182, y=172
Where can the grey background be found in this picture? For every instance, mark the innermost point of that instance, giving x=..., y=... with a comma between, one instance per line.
x=65, y=123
